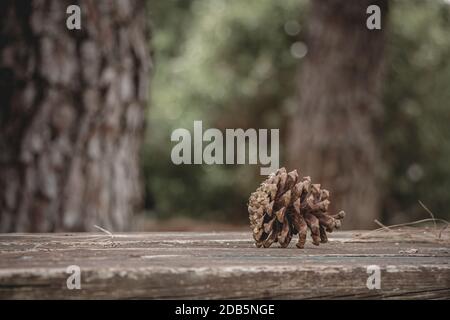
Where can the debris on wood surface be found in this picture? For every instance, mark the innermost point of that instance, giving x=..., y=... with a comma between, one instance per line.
x=409, y=251
x=410, y=231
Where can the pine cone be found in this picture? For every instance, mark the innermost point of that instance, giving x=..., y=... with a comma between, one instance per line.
x=285, y=205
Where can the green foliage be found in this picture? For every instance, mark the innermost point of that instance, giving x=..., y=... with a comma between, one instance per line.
x=229, y=65
x=232, y=64
x=416, y=137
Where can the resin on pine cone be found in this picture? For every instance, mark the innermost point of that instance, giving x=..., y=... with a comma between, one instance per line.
x=285, y=205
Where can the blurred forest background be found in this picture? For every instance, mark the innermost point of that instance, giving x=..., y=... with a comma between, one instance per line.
x=236, y=64
x=86, y=116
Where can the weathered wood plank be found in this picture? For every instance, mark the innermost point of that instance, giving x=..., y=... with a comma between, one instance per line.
x=221, y=265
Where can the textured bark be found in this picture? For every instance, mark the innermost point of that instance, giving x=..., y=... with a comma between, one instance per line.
x=72, y=114
x=333, y=137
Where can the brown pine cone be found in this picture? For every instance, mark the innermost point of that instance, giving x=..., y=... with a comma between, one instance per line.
x=285, y=205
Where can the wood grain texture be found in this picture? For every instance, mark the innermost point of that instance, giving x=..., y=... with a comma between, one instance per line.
x=220, y=265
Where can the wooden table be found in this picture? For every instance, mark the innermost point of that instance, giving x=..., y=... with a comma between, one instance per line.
x=224, y=265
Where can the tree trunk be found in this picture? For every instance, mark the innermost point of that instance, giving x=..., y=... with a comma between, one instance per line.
x=72, y=114
x=333, y=135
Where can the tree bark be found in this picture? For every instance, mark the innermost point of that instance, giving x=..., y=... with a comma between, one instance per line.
x=72, y=114
x=333, y=136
